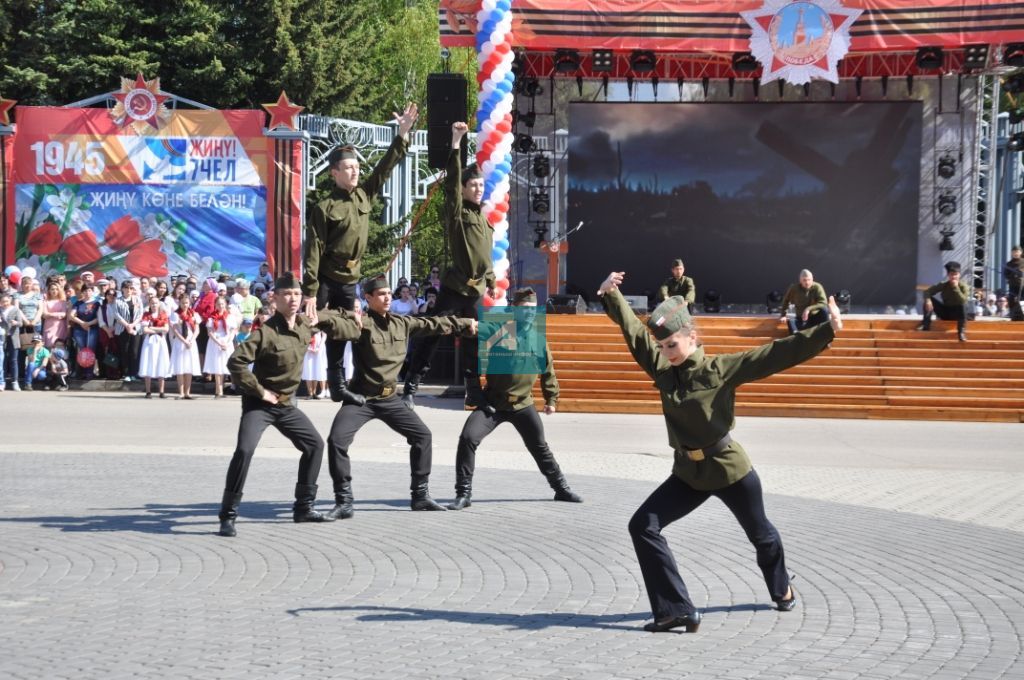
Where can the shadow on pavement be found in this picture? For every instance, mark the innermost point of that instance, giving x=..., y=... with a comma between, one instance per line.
x=154, y=518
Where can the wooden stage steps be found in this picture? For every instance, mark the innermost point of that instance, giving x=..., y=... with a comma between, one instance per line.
x=876, y=368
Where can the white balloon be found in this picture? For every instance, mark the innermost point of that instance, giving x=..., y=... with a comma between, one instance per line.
x=503, y=263
x=497, y=157
x=488, y=6
x=28, y=273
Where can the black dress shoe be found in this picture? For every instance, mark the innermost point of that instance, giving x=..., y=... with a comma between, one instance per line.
x=787, y=605
x=691, y=622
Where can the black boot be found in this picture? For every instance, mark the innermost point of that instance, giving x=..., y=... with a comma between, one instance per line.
x=228, y=513
x=562, y=490
x=342, y=503
x=475, y=395
x=412, y=384
x=421, y=499
x=463, y=493
x=340, y=393
x=303, y=510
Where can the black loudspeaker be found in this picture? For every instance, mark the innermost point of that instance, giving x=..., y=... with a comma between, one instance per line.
x=446, y=104
x=566, y=304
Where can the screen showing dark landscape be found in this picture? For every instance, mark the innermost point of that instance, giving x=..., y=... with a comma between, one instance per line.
x=748, y=195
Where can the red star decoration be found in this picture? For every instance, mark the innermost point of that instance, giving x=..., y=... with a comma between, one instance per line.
x=283, y=113
x=5, y=110
x=152, y=86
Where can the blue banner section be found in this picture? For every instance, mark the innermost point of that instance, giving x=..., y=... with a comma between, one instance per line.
x=512, y=340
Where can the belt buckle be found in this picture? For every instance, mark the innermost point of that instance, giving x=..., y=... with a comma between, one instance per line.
x=351, y=263
x=387, y=391
x=695, y=455
x=472, y=282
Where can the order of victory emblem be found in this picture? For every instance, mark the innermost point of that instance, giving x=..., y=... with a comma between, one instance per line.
x=140, y=104
x=802, y=40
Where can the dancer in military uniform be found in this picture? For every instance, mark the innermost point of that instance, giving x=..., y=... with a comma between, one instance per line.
x=809, y=299
x=336, y=234
x=470, y=275
x=511, y=396
x=680, y=285
x=1013, y=272
x=953, y=303
x=698, y=401
x=378, y=351
x=275, y=351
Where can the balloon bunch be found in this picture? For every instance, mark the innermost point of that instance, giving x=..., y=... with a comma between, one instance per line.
x=494, y=131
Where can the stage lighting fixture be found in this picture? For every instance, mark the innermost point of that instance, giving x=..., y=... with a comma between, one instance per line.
x=975, y=56
x=946, y=244
x=541, y=235
x=541, y=202
x=528, y=119
x=529, y=86
x=929, y=58
x=744, y=62
x=1013, y=55
x=843, y=299
x=643, y=61
x=1016, y=142
x=541, y=166
x=947, y=166
x=567, y=61
x=947, y=203
x=1014, y=84
x=712, y=301
x=524, y=143
x=601, y=61
x=773, y=302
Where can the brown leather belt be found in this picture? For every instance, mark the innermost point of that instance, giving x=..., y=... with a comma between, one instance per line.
x=700, y=454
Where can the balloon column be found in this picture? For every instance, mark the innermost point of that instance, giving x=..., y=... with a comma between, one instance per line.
x=494, y=131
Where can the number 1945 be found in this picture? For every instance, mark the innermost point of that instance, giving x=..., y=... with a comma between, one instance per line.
x=54, y=158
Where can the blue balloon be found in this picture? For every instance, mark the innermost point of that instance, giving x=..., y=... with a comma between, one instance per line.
x=503, y=5
x=488, y=27
x=497, y=254
x=504, y=87
x=508, y=159
x=504, y=167
x=494, y=177
x=503, y=243
x=496, y=16
x=510, y=77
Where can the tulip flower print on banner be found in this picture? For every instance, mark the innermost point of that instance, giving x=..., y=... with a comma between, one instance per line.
x=494, y=129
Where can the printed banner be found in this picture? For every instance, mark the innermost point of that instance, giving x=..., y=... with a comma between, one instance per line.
x=90, y=194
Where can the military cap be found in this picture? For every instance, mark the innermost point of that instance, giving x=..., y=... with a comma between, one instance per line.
x=524, y=295
x=1015, y=247
x=286, y=280
x=677, y=262
x=341, y=153
x=471, y=172
x=669, y=317
x=952, y=266
x=375, y=283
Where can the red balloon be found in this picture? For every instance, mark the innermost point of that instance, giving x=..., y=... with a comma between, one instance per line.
x=501, y=284
x=488, y=302
x=502, y=207
x=508, y=118
x=487, y=149
x=86, y=358
x=502, y=48
x=504, y=127
x=494, y=217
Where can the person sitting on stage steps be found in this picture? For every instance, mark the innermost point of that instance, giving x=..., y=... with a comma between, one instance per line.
x=511, y=395
x=698, y=399
x=1013, y=272
x=336, y=236
x=378, y=351
x=680, y=285
x=953, y=305
x=810, y=301
x=470, y=276
x=276, y=350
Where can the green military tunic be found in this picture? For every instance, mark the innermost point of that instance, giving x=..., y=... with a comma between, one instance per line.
x=952, y=295
x=276, y=353
x=470, y=237
x=337, y=228
x=382, y=343
x=812, y=299
x=698, y=397
x=513, y=392
x=683, y=287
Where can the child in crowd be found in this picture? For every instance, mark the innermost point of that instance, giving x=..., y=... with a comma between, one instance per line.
x=154, y=360
x=58, y=370
x=264, y=278
x=184, y=348
x=220, y=327
x=244, y=331
x=314, y=366
x=35, y=361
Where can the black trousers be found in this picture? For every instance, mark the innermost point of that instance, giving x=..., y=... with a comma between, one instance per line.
x=131, y=347
x=334, y=295
x=675, y=499
x=449, y=302
x=1013, y=297
x=527, y=423
x=295, y=425
x=395, y=415
x=956, y=313
x=819, y=317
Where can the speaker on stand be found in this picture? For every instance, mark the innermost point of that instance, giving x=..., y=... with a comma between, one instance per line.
x=446, y=104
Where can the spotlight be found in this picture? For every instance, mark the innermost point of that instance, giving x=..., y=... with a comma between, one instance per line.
x=712, y=301
x=1013, y=55
x=975, y=57
x=541, y=166
x=541, y=202
x=528, y=119
x=744, y=62
x=929, y=58
x=541, y=235
x=567, y=61
x=1014, y=84
x=947, y=166
x=643, y=61
x=947, y=203
x=524, y=143
x=843, y=299
x=946, y=244
x=773, y=302
x=601, y=61
x=1016, y=142
x=529, y=86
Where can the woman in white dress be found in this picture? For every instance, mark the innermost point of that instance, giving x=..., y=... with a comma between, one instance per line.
x=154, y=360
x=314, y=365
x=184, y=349
x=221, y=327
